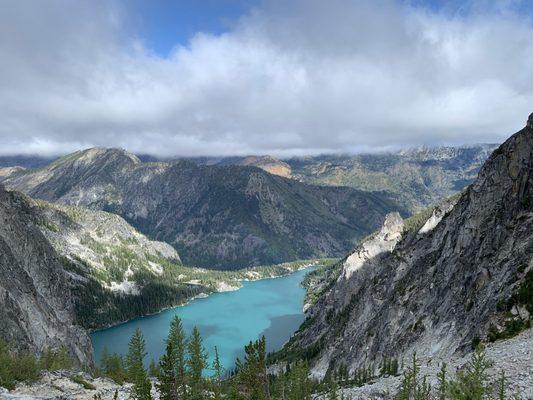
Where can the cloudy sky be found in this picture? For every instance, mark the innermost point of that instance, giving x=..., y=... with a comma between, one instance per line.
x=283, y=77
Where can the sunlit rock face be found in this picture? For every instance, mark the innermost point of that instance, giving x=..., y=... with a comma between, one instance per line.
x=382, y=242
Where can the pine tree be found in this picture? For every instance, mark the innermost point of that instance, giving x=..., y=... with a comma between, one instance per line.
x=394, y=367
x=104, y=359
x=153, y=369
x=217, y=367
x=252, y=371
x=112, y=366
x=196, y=363
x=177, y=337
x=262, y=366
x=135, y=369
x=298, y=384
x=412, y=387
x=443, y=384
x=167, y=377
x=234, y=392
x=501, y=387
x=471, y=383
x=333, y=393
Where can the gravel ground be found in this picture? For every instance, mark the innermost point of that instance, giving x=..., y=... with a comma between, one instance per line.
x=513, y=356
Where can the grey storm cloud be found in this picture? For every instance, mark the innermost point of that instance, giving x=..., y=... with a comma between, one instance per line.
x=289, y=78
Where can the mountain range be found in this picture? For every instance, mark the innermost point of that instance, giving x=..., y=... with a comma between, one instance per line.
x=415, y=178
x=224, y=217
x=436, y=284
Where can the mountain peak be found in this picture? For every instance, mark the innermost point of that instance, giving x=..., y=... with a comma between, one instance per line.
x=94, y=155
x=530, y=121
x=269, y=164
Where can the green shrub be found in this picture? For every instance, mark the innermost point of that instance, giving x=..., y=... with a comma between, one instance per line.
x=55, y=359
x=413, y=387
x=79, y=380
x=16, y=367
x=471, y=383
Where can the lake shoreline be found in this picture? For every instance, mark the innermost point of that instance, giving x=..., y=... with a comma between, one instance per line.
x=271, y=305
x=207, y=294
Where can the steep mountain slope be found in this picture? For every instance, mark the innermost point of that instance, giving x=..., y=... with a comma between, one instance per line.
x=434, y=285
x=111, y=272
x=113, y=250
x=416, y=178
x=117, y=273
x=36, y=308
x=267, y=163
x=225, y=217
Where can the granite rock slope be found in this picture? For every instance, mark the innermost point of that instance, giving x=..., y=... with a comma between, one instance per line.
x=438, y=286
x=36, y=307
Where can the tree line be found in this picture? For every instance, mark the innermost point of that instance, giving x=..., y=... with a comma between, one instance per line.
x=184, y=373
x=181, y=374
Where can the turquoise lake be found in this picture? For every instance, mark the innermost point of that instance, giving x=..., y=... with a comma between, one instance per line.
x=229, y=320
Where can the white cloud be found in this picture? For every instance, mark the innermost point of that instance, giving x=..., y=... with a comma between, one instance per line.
x=290, y=78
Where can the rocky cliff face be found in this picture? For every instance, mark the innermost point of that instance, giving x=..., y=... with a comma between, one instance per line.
x=115, y=273
x=36, y=308
x=214, y=216
x=436, y=285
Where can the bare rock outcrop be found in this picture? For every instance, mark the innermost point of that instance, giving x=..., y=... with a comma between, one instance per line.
x=36, y=309
x=438, y=287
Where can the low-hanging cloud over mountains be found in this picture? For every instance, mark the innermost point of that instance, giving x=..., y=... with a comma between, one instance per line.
x=288, y=78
